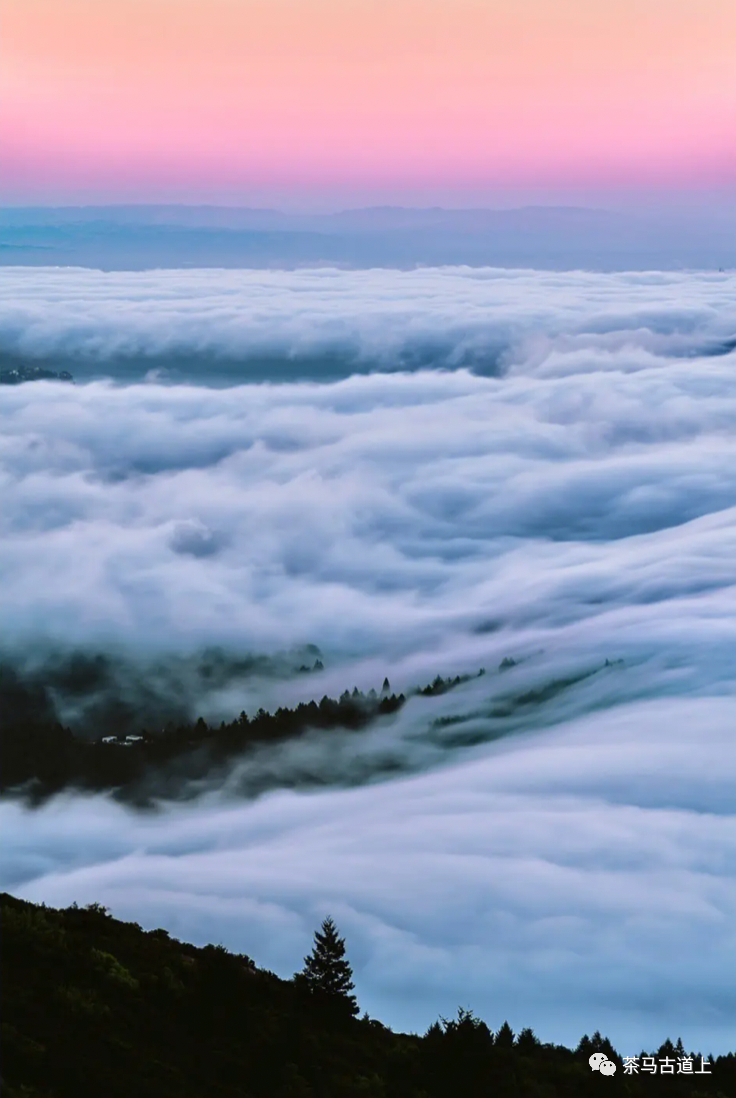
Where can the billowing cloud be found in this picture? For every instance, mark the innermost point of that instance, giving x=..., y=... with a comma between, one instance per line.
x=235, y=325
x=386, y=516
x=572, y=505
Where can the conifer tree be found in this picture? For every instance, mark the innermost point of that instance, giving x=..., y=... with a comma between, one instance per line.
x=505, y=1036
x=527, y=1040
x=326, y=971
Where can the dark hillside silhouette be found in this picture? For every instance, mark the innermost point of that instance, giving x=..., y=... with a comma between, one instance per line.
x=94, y=1006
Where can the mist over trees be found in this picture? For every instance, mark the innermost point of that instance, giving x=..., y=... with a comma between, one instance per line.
x=40, y=756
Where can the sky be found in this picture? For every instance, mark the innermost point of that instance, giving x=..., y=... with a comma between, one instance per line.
x=318, y=104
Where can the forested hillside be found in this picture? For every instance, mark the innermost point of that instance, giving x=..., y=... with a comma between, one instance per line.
x=94, y=1006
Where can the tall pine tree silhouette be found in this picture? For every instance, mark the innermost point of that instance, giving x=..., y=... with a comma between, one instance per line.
x=327, y=973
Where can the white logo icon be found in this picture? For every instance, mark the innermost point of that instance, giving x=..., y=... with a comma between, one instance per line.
x=600, y=1062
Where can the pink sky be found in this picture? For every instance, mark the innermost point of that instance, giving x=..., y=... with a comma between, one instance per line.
x=228, y=100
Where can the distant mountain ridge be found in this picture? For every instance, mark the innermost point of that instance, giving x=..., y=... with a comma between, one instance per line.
x=240, y=217
x=132, y=237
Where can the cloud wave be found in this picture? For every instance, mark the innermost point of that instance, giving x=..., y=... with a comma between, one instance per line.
x=225, y=325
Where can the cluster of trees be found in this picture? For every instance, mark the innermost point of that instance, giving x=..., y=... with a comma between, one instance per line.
x=45, y=756
x=15, y=375
x=91, y=1005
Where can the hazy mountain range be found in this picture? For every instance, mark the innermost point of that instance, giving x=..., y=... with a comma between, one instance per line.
x=563, y=237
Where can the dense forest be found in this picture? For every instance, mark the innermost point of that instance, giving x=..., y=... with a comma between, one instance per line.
x=41, y=756
x=94, y=1006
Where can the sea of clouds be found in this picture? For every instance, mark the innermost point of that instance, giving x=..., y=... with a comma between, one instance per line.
x=533, y=465
x=225, y=326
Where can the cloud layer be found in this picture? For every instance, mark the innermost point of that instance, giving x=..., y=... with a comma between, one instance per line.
x=230, y=325
x=575, y=503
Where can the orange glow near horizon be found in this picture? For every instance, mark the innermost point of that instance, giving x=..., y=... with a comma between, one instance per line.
x=146, y=96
